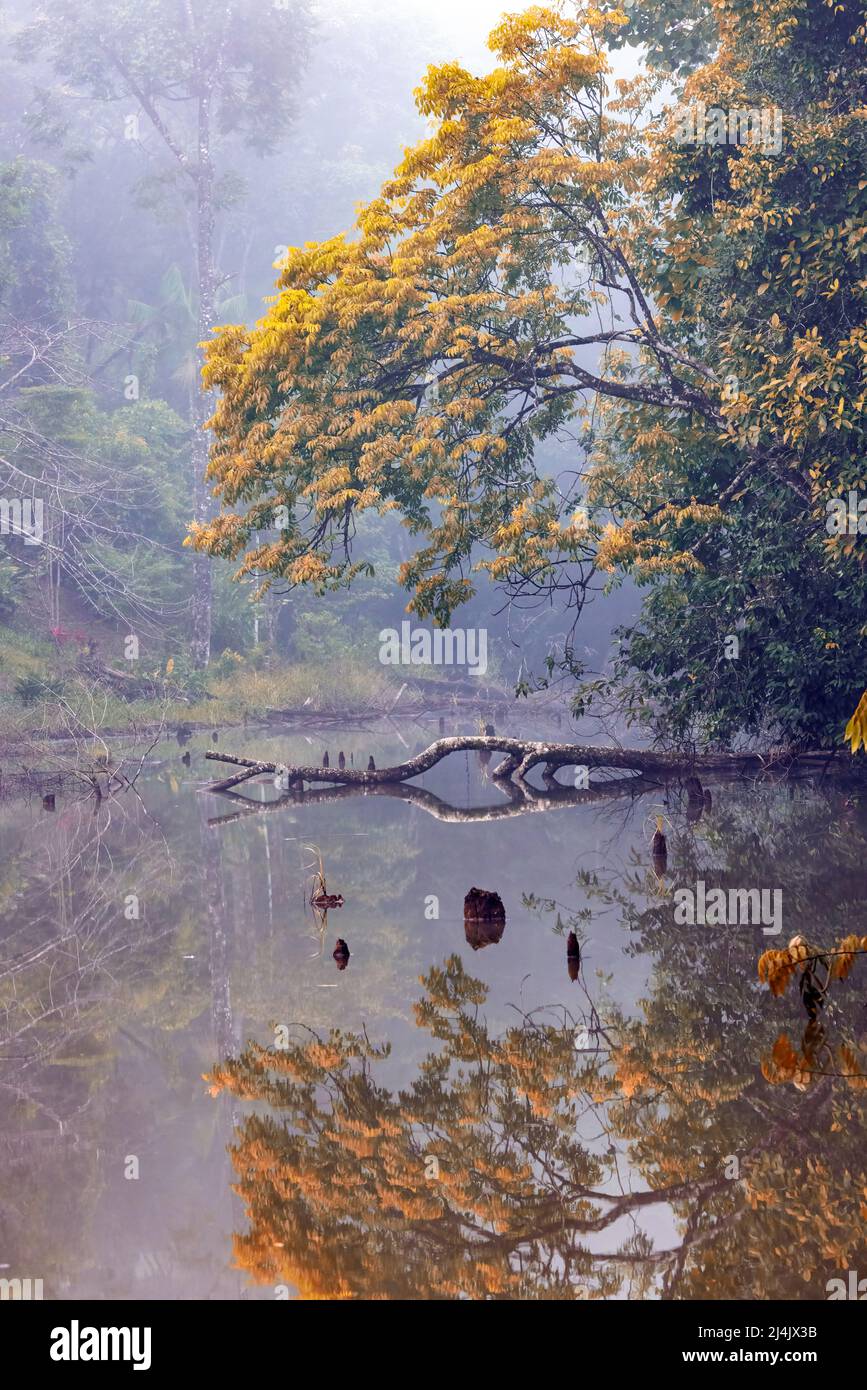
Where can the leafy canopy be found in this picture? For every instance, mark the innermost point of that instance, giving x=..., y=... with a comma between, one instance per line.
x=555, y=262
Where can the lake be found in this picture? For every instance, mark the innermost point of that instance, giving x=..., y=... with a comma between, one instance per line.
x=482, y=1124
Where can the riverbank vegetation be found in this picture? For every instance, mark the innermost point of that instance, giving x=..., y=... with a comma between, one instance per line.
x=43, y=696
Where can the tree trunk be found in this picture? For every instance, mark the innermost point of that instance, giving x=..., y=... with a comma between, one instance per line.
x=200, y=644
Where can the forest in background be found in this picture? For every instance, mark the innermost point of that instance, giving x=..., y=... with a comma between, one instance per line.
x=103, y=226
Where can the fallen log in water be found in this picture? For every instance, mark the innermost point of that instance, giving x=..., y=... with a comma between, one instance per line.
x=521, y=756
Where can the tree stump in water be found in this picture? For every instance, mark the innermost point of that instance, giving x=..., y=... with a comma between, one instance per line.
x=695, y=800
x=484, y=918
x=659, y=849
x=573, y=956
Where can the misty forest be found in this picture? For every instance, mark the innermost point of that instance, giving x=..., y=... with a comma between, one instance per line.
x=433, y=676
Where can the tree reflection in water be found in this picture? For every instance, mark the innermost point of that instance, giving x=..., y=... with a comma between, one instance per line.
x=598, y=1155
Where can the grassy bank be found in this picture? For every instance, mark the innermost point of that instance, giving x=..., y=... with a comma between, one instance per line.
x=44, y=697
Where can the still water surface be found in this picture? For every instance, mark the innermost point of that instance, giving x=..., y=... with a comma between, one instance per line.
x=641, y=1131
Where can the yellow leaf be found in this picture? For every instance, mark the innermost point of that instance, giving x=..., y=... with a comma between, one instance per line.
x=856, y=729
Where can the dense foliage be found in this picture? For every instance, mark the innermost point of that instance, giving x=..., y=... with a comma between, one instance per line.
x=106, y=287
x=556, y=260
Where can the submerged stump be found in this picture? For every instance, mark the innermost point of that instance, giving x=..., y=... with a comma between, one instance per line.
x=484, y=918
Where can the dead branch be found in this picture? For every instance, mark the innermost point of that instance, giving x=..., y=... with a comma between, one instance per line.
x=521, y=757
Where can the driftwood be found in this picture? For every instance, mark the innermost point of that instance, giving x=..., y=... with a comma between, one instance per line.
x=521, y=757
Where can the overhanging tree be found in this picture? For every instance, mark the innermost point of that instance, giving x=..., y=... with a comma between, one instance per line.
x=554, y=261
